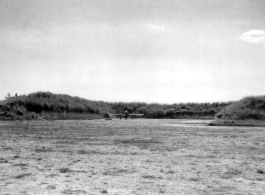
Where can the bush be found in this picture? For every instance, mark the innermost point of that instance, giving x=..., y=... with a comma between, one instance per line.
x=246, y=109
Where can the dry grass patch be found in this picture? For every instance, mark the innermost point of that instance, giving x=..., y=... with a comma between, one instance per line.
x=3, y=160
x=43, y=149
x=118, y=172
x=194, y=179
x=20, y=176
x=20, y=164
x=68, y=191
x=151, y=177
x=89, y=152
x=140, y=143
x=231, y=173
x=65, y=170
x=260, y=171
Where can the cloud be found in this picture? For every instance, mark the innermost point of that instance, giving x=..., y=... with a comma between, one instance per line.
x=254, y=36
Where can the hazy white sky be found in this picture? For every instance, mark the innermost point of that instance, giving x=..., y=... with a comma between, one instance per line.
x=165, y=51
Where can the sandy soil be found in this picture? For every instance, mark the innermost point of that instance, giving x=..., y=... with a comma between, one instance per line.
x=130, y=157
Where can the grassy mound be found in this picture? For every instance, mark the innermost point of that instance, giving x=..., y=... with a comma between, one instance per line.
x=249, y=108
x=50, y=106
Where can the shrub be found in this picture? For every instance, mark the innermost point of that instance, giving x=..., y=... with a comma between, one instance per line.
x=247, y=108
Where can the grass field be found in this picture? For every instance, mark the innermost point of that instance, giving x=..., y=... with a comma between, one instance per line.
x=130, y=157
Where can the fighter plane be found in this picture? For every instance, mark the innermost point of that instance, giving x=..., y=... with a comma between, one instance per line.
x=126, y=115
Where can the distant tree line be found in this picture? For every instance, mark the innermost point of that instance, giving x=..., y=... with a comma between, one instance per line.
x=60, y=103
x=182, y=110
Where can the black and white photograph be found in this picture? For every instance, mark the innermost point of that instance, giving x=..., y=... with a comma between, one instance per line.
x=132, y=97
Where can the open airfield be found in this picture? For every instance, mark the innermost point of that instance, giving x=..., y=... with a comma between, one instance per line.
x=142, y=156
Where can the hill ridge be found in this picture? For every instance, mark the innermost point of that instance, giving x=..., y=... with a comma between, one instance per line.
x=46, y=105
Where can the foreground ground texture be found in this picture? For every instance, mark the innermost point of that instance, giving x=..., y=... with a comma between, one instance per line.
x=130, y=157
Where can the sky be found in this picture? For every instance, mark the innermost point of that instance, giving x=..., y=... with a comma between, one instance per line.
x=154, y=51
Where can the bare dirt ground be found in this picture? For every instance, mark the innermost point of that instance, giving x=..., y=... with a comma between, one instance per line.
x=130, y=157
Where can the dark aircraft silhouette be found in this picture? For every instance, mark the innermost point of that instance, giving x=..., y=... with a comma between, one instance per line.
x=126, y=115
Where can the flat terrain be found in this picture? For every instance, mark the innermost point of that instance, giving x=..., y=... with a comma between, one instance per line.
x=130, y=157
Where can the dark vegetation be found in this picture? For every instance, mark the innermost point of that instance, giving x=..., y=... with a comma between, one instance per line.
x=51, y=106
x=249, y=108
x=181, y=110
x=250, y=111
x=46, y=105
